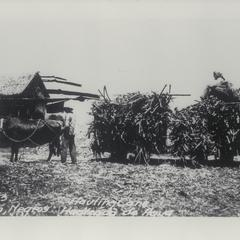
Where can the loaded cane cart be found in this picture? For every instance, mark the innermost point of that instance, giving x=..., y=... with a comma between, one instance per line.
x=25, y=105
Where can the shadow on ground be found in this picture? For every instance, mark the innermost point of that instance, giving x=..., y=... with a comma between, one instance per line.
x=173, y=162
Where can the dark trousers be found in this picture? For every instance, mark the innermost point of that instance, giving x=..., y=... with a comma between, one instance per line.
x=68, y=143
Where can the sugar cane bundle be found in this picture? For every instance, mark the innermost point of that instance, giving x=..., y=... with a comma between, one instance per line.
x=133, y=122
x=223, y=118
x=189, y=132
x=224, y=126
x=210, y=126
x=223, y=91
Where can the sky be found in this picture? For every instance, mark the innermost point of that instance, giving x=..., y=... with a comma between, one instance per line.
x=128, y=46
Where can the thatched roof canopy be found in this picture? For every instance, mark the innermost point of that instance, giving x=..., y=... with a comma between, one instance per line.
x=29, y=85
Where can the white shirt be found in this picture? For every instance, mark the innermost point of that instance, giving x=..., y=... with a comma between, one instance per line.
x=70, y=122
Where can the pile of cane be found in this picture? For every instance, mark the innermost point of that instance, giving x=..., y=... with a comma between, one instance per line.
x=209, y=127
x=133, y=123
x=139, y=124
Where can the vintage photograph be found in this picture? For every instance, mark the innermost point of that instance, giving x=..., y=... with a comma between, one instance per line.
x=120, y=108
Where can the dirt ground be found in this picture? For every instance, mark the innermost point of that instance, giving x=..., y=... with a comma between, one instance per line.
x=35, y=187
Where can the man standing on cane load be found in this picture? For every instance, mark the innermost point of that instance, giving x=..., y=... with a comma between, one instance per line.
x=68, y=141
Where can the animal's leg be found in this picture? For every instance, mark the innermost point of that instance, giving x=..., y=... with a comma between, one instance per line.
x=64, y=149
x=72, y=149
x=12, y=154
x=50, y=151
x=49, y=156
x=58, y=145
x=16, y=153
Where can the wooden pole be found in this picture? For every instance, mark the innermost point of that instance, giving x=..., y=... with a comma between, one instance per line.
x=80, y=94
x=79, y=98
x=58, y=81
x=180, y=95
x=54, y=77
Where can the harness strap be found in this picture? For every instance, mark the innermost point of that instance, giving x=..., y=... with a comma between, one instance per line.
x=25, y=139
x=45, y=122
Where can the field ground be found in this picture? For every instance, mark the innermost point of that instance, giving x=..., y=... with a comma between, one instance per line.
x=35, y=187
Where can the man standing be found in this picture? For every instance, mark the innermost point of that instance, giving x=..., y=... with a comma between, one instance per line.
x=68, y=137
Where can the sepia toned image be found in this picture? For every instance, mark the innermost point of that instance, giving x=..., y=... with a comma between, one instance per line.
x=120, y=108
